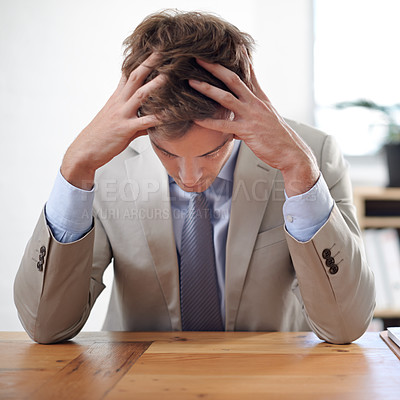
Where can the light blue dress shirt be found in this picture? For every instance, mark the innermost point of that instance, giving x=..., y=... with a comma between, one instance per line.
x=68, y=212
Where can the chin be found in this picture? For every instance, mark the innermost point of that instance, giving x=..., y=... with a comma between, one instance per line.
x=196, y=188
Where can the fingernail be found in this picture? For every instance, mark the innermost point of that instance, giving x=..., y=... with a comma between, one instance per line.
x=194, y=82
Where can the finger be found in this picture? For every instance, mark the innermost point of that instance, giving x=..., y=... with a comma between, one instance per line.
x=219, y=125
x=138, y=75
x=143, y=123
x=231, y=80
x=226, y=99
x=257, y=88
x=122, y=82
x=121, y=85
x=141, y=94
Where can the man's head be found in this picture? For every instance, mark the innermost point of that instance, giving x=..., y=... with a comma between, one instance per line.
x=192, y=155
x=179, y=38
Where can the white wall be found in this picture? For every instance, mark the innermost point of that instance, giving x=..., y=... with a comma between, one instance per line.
x=60, y=61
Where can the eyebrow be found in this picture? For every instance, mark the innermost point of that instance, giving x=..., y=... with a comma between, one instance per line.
x=202, y=155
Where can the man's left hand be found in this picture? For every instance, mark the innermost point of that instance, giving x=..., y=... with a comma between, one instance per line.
x=258, y=124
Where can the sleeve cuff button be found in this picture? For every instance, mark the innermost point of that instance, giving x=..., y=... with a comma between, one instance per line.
x=333, y=269
x=326, y=253
x=39, y=266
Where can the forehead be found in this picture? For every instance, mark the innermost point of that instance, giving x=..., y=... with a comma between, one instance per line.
x=196, y=142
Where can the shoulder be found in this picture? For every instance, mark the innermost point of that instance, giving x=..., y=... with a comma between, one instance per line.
x=312, y=136
x=140, y=147
x=327, y=151
x=323, y=145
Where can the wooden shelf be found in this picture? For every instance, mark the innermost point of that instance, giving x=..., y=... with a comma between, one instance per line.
x=380, y=222
x=377, y=192
x=371, y=200
x=389, y=313
x=363, y=194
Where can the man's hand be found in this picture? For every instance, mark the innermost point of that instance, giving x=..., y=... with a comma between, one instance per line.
x=113, y=128
x=258, y=124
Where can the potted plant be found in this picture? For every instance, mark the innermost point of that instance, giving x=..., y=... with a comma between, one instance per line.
x=392, y=142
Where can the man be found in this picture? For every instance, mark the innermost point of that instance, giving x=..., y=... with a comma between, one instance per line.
x=286, y=252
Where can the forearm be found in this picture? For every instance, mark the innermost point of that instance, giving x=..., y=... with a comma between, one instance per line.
x=299, y=167
x=338, y=298
x=54, y=301
x=336, y=290
x=54, y=291
x=78, y=174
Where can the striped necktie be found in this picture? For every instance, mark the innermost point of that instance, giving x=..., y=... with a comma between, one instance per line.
x=200, y=305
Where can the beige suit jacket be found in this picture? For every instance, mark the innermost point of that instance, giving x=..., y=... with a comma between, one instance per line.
x=273, y=282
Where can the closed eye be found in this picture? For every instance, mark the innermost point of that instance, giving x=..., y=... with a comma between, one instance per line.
x=212, y=155
x=166, y=154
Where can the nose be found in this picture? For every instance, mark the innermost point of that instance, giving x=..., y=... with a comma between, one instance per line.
x=189, y=172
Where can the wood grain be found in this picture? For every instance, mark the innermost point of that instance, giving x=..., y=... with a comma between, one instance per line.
x=94, y=373
x=91, y=375
x=263, y=366
x=197, y=365
x=25, y=366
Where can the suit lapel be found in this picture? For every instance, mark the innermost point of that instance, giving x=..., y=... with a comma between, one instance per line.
x=154, y=209
x=253, y=181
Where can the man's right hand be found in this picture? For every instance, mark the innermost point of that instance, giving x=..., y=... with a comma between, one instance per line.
x=113, y=128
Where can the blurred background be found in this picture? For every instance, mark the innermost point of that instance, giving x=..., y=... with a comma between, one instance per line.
x=60, y=61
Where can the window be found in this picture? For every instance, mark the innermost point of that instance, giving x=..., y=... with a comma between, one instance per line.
x=356, y=56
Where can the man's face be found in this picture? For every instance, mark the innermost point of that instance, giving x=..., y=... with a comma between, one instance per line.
x=194, y=160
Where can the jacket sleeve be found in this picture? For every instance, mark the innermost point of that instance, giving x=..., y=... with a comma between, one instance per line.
x=57, y=284
x=335, y=285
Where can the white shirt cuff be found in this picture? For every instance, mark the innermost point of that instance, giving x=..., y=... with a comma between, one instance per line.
x=69, y=208
x=306, y=213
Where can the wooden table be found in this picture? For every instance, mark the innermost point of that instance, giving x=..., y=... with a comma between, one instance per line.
x=224, y=365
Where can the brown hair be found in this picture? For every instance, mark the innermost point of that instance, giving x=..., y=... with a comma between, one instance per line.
x=179, y=38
